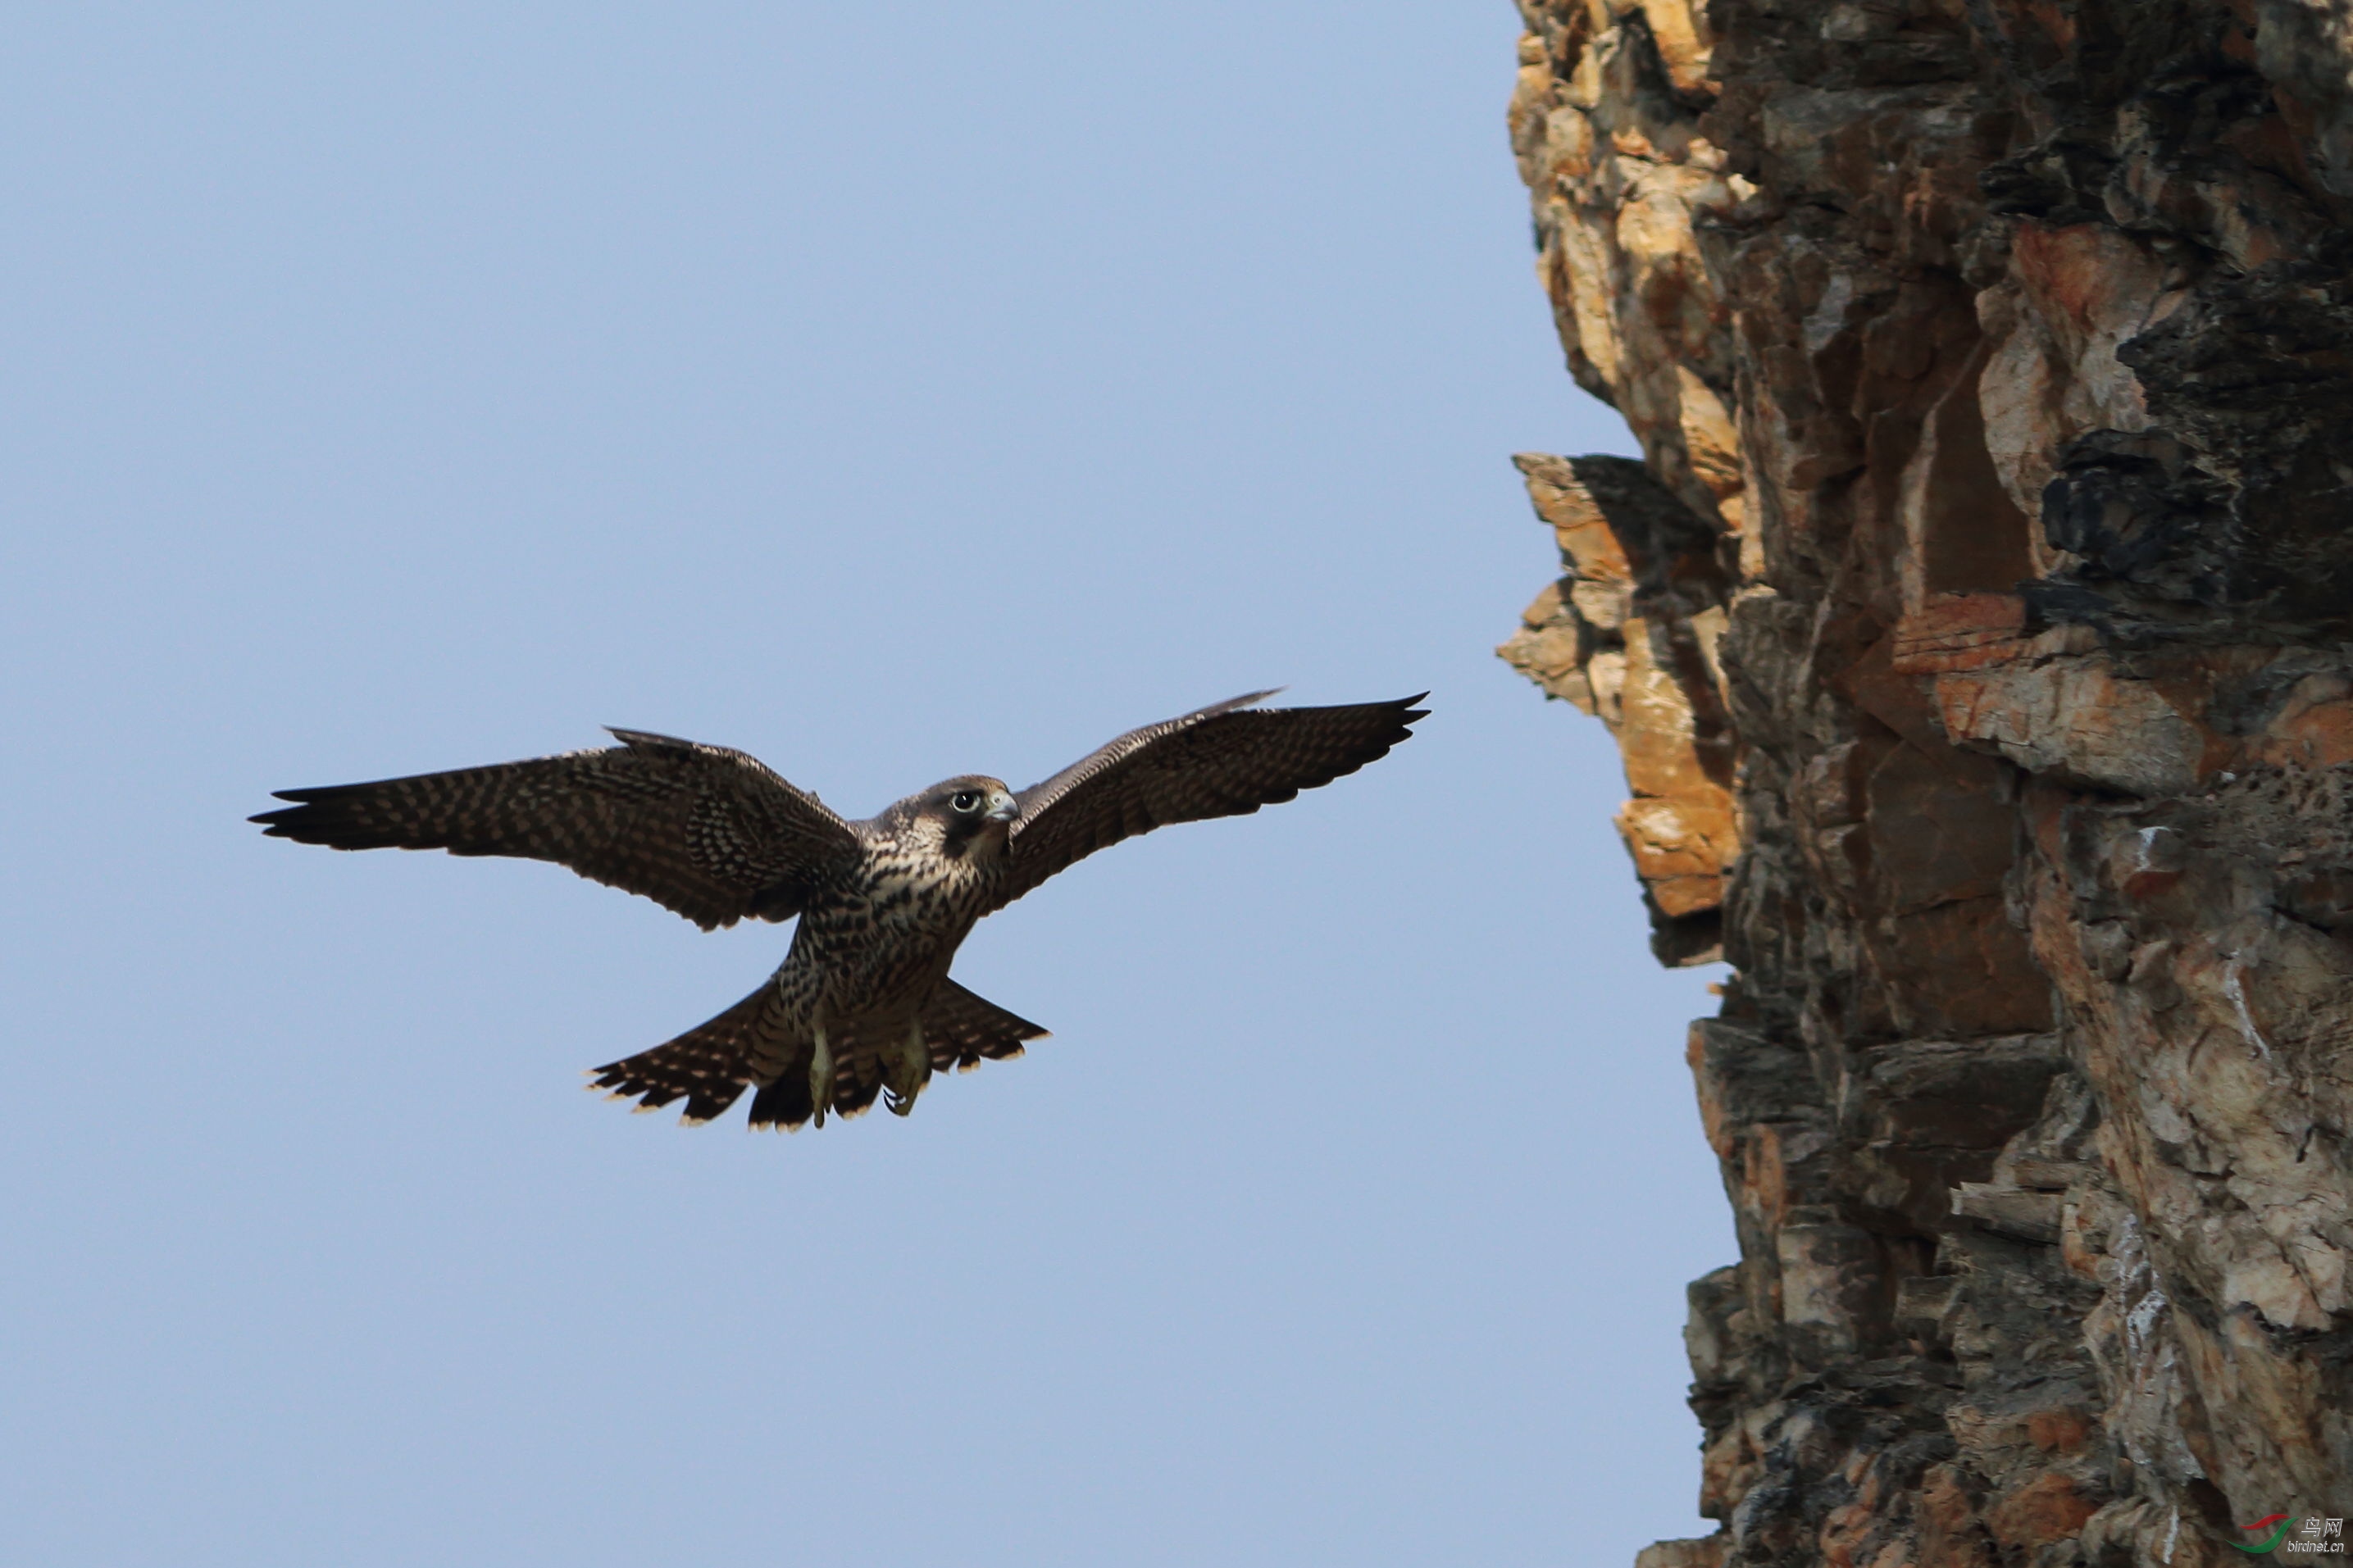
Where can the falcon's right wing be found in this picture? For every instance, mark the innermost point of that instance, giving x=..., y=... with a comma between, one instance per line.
x=708, y=832
x=1226, y=760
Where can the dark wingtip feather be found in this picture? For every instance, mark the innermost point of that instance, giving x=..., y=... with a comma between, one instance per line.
x=647, y=740
x=315, y=810
x=1408, y=715
x=287, y=822
x=323, y=817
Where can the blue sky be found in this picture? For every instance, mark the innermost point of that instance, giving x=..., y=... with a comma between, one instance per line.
x=892, y=392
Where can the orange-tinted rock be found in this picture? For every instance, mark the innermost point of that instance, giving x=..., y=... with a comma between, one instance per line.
x=1703, y=1553
x=1960, y=631
x=2062, y=1431
x=2049, y=1507
x=1628, y=634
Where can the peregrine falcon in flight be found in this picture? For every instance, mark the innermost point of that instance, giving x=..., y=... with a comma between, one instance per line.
x=862, y=1003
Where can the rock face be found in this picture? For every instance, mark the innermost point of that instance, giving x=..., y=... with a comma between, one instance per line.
x=1979, y=632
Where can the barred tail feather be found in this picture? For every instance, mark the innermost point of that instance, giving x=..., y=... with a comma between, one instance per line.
x=786, y=1104
x=709, y=1066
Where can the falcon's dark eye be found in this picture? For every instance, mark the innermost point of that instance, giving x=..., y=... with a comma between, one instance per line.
x=966, y=800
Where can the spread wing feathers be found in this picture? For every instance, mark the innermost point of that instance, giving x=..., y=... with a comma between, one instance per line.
x=1224, y=760
x=708, y=832
x=710, y=1067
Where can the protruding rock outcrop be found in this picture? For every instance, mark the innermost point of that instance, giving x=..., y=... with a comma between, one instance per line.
x=1979, y=632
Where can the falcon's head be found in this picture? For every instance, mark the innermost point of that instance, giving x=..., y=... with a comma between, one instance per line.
x=969, y=815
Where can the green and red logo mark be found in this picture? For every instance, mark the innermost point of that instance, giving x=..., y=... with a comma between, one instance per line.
x=2318, y=1535
x=2283, y=1520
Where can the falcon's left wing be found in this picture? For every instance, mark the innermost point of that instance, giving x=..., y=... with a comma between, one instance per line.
x=704, y=830
x=1226, y=760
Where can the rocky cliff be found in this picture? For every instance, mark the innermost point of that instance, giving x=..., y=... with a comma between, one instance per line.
x=1977, y=629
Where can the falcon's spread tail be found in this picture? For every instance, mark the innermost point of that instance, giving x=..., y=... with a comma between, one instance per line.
x=710, y=1067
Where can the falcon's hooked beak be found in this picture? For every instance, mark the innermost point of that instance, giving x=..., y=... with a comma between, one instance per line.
x=1003, y=807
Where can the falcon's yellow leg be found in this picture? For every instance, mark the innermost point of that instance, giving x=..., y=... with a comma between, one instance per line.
x=821, y=1076
x=911, y=1071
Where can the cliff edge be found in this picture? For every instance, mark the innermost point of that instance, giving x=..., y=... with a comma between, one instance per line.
x=1977, y=629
